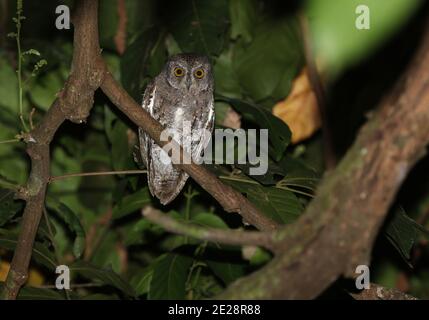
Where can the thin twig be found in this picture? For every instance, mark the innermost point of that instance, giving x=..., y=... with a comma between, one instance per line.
x=94, y=174
x=232, y=237
x=72, y=287
x=30, y=118
x=317, y=85
x=9, y=141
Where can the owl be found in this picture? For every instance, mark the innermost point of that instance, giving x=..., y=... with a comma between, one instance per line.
x=181, y=95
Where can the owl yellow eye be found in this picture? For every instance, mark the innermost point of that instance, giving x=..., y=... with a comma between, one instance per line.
x=199, y=73
x=179, y=72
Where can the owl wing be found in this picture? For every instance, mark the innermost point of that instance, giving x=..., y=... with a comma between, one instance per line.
x=144, y=139
x=206, y=121
x=165, y=182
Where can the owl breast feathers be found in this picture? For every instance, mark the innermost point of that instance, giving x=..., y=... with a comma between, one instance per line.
x=180, y=98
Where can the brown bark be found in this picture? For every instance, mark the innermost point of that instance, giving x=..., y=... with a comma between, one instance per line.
x=338, y=229
x=74, y=102
x=233, y=237
x=377, y=292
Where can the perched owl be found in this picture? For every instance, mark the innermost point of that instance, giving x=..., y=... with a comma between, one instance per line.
x=181, y=95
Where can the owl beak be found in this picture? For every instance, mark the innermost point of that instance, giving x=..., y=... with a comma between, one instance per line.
x=188, y=83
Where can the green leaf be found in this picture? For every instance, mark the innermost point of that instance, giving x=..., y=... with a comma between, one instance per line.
x=198, y=25
x=226, y=80
x=279, y=134
x=289, y=172
x=44, y=91
x=136, y=233
x=297, y=174
x=100, y=296
x=337, y=41
x=244, y=14
x=29, y=293
x=209, y=220
x=9, y=207
x=108, y=18
x=31, y=52
x=131, y=203
x=226, y=271
x=169, y=277
x=7, y=183
x=403, y=232
x=105, y=276
x=281, y=205
x=41, y=254
x=225, y=262
x=73, y=222
x=141, y=281
x=8, y=86
x=143, y=59
x=267, y=66
x=110, y=119
x=121, y=150
x=260, y=257
x=139, y=15
x=107, y=255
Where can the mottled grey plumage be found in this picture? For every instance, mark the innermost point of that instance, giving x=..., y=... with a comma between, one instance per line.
x=183, y=91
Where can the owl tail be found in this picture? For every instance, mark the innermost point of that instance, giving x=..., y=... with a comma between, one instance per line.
x=167, y=185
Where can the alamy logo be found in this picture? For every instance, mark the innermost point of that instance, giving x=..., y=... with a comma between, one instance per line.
x=362, y=281
x=227, y=146
x=63, y=280
x=363, y=21
x=63, y=20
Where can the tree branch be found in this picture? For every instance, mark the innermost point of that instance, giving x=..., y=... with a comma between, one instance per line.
x=338, y=229
x=329, y=240
x=96, y=174
x=319, y=90
x=74, y=103
x=377, y=292
x=232, y=237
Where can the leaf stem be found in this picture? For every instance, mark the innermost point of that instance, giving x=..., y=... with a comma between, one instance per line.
x=9, y=141
x=93, y=174
x=73, y=286
x=277, y=186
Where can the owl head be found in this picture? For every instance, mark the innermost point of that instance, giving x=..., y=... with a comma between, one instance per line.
x=189, y=73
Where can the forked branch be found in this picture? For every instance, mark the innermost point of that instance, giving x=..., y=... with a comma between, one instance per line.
x=74, y=102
